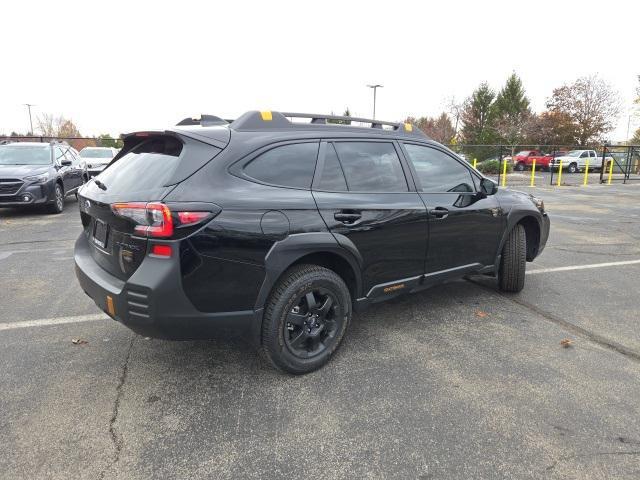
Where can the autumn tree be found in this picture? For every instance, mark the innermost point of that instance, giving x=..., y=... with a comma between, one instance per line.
x=592, y=105
x=550, y=128
x=56, y=127
x=439, y=128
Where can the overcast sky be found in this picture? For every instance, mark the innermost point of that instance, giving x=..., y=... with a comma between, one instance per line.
x=115, y=66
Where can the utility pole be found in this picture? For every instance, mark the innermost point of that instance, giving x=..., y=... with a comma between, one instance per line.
x=29, y=105
x=375, y=88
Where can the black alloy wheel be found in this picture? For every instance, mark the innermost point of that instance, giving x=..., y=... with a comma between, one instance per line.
x=312, y=324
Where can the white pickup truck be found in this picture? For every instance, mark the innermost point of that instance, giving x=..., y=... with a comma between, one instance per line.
x=576, y=161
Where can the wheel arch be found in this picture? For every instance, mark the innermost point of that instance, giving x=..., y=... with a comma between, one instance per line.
x=320, y=248
x=533, y=230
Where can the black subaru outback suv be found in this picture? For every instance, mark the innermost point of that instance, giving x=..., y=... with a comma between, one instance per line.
x=281, y=229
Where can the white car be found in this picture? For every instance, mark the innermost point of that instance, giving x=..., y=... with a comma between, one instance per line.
x=97, y=158
x=576, y=161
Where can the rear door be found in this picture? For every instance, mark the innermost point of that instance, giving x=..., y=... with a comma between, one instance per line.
x=464, y=226
x=366, y=197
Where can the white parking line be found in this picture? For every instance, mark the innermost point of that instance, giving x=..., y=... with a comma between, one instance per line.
x=52, y=321
x=100, y=316
x=582, y=267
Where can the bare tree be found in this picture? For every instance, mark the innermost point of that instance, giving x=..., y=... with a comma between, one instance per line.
x=592, y=105
x=56, y=127
x=455, y=112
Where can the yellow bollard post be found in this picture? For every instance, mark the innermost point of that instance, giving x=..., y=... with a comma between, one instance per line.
x=533, y=173
x=610, y=172
x=475, y=161
x=560, y=173
x=586, y=172
x=504, y=173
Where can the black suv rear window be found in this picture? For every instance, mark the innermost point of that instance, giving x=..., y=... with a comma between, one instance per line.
x=288, y=165
x=148, y=166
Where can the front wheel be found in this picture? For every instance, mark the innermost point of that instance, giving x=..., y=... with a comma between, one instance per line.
x=513, y=261
x=519, y=167
x=57, y=206
x=573, y=168
x=305, y=319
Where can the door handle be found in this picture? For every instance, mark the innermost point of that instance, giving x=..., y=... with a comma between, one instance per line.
x=439, y=212
x=347, y=217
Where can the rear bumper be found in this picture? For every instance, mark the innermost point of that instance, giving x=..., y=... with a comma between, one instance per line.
x=152, y=303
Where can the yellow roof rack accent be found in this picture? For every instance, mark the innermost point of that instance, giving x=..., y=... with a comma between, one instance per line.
x=266, y=115
x=408, y=127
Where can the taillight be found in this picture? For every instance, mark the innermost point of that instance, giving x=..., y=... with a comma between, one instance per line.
x=191, y=218
x=155, y=219
x=152, y=219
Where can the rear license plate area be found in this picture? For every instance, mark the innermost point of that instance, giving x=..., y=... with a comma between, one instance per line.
x=100, y=233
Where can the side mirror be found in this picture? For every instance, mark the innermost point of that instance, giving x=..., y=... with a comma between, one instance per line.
x=66, y=163
x=488, y=187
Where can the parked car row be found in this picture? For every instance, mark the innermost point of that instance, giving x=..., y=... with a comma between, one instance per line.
x=43, y=174
x=572, y=161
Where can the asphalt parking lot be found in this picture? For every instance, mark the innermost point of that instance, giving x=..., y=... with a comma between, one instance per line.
x=460, y=381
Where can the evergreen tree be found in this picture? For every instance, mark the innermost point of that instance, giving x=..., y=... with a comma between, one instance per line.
x=512, y=112
x=478, y=118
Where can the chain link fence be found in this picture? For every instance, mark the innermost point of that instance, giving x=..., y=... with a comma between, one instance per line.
x=517, y=165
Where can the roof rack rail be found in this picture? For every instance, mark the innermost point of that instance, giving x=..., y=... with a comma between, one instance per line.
x=255, y=120
x=203, y=121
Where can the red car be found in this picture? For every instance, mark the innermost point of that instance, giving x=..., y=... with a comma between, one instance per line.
x=524, y=160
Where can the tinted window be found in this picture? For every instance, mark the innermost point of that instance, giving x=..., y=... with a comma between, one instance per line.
x=148, y=166
x=371, y=167
x=439, y=172
x=332, y=178
x=288, y=165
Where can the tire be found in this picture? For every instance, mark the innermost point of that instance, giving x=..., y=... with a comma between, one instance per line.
x=57, y=206
x=291, y=345
x=573, y=168
x=513, y=262
x=519, y=167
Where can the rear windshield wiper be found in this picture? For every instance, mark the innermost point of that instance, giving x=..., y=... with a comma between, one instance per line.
x=100, y=184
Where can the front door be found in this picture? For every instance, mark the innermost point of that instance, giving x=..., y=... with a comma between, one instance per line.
x=363, y=195
x=464, y=225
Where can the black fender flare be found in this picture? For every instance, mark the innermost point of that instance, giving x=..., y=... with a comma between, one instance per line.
x=513, y=218
x=286, y=252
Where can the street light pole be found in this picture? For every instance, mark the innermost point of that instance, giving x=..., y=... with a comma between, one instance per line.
x=29, y=105
x=375, y=88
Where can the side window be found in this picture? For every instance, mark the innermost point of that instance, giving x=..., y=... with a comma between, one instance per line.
x=437, y=171
x=371, y=167
x=592, y=153
x=332, y=177
x=289, y=165
x=59, y=155
x=584, y=154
